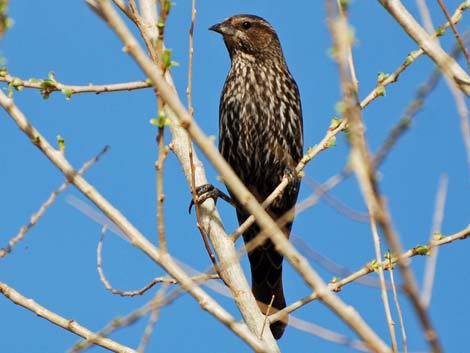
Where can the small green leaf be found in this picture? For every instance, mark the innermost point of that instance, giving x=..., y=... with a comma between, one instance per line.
x=388, y=255
x=437, y=236
x=331, y=142
x=344, y=4
x=381, y=91
x=167, y=5
x=441, y=30
x=335, y=122
x=161, y=120
x=373, y=266
x=422, y=250
x=61, y=143
x=68, y=93
x=3, y=71
x=166, y=58
x=381, y=77
x=160, y=25
x=409, y=59
x=48, y=85
x=17, y=84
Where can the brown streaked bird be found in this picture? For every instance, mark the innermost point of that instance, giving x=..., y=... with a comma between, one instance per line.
x=261, y=137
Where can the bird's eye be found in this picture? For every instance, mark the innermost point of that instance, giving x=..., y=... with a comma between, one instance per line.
x=246, y=25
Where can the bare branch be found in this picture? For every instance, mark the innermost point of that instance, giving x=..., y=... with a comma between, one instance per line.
x=365, y=171
x=387, y=264
x=35, y=217
x=136, y=238
x=446, y=63
x=69, y=90
x=68, y=324
x=456, y=33
x=430, y=268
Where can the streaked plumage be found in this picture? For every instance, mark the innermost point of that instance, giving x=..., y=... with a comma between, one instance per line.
x=261, y=137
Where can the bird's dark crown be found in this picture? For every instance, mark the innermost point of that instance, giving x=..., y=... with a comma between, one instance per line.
x=249, y=34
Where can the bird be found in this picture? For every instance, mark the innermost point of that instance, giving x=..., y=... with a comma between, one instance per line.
x=261, y=138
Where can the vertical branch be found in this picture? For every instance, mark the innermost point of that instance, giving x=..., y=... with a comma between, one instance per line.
x=189, y=90
x=365, y=171
x=343, y=44
x=191, y=55
x=383, y=286
x=430, y=268
x=343, y=12
x=162, y=154
x=398, y=306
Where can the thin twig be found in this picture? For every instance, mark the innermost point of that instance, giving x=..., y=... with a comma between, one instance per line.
x=456, y=33
x=430, y=269
x=105, y=281
x=343, y=43
x=35, y=217
x=266, y=316
x=162, y=154
x=164, y=280
x=458, y=95
x=366, y=174
x=153, y=318
x=383, y=287
x=68, y=324
x=448, y=65
x=411, y=58
x=119, y=323
x=137, y=238
x=55, y=86
x=190, y=60
x=337, y=285
x=191, y=147
x=398, y=306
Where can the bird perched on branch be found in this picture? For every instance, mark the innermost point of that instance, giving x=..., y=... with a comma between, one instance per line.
x=261, y=137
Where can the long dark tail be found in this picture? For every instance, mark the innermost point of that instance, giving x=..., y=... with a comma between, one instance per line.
x=266, y=279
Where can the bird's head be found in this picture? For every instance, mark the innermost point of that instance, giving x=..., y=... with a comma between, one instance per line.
x=250, y=36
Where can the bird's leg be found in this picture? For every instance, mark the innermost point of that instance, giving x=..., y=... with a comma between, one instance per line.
x=209, y=191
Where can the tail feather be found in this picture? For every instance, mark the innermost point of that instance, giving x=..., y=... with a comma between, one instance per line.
x=266, y=280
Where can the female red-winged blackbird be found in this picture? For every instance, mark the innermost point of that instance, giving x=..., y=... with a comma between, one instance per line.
x=261, y=138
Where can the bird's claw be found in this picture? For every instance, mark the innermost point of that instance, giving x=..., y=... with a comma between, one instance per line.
x=292, y=175
x=208, y=191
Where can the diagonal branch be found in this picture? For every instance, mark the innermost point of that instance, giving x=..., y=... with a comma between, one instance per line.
x=447, y=64
x=247, y=200
x=68, y=324
x=133, y=234
x=35, y=217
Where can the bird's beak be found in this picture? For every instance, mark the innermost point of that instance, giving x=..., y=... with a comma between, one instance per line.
x=223, y=28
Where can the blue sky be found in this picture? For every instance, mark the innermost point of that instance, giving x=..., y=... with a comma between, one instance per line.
x=56, y=263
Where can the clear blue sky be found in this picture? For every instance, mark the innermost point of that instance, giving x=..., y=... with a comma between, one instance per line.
x=56, y=264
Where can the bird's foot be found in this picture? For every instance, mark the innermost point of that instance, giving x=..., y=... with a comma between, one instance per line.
x=292, y=175
x=209, y=191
